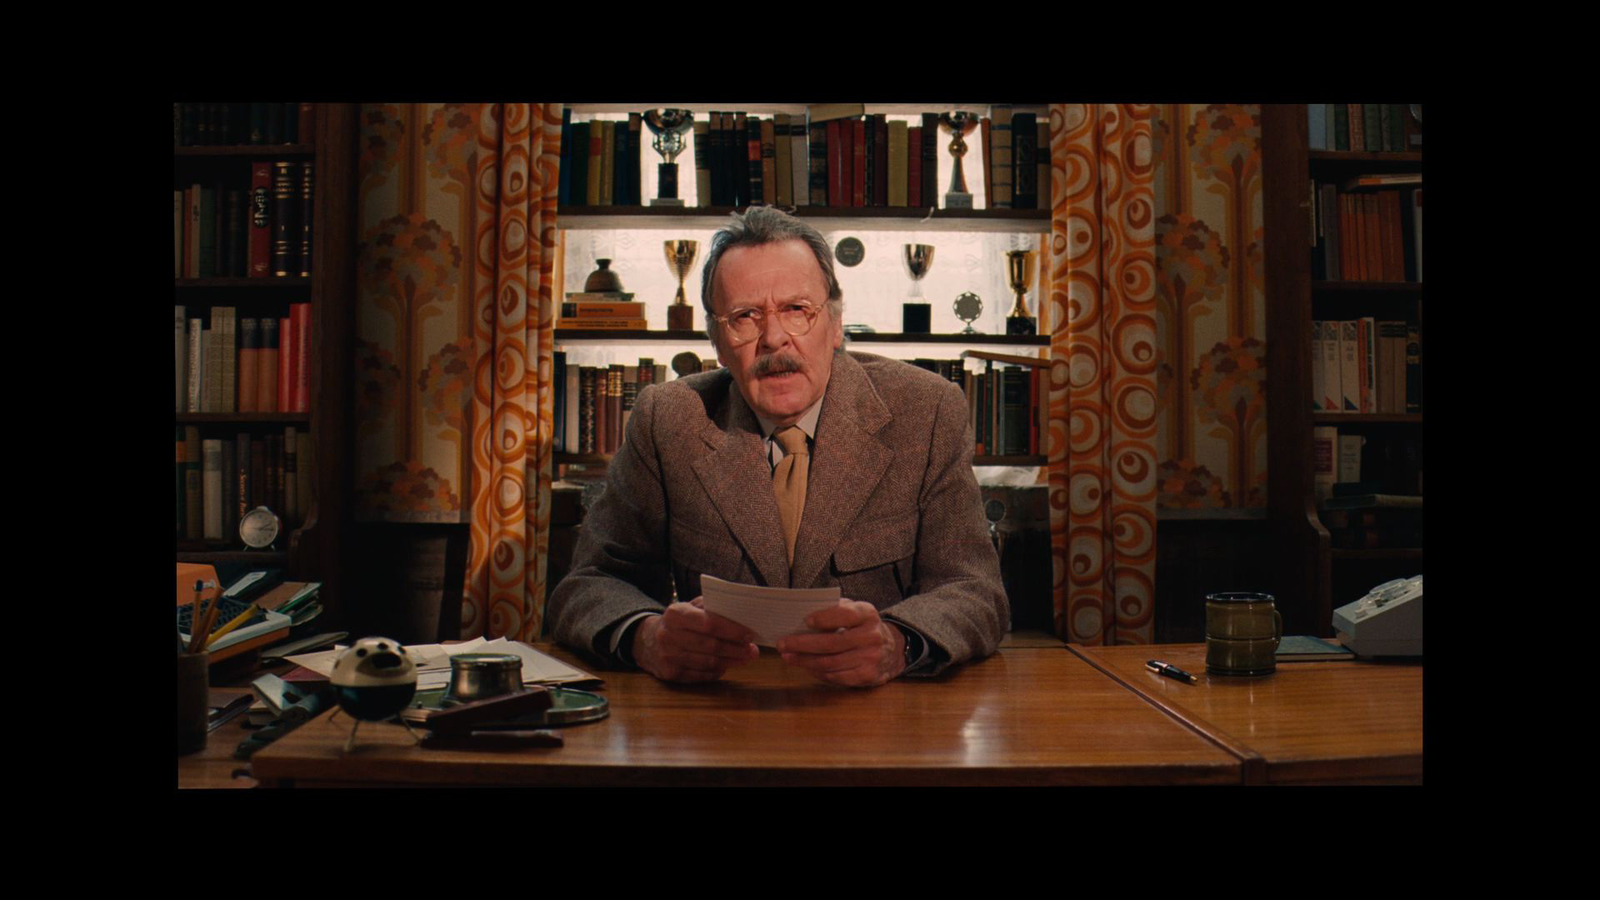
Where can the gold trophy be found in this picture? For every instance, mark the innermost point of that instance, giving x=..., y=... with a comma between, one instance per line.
x=669, y=127
x=680, y=259
x=959, y=124
x=1020, y=270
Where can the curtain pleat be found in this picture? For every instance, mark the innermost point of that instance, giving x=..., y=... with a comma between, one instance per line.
x=1102, y=457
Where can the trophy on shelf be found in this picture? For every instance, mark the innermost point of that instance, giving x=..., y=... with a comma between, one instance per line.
x=680, y=259
x=918, y=312
x=968, y=307
x=960, y=125
x=668, y=126
x=1019, y=273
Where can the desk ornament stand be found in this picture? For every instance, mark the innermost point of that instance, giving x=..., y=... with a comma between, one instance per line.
x=917, y=317
x=959, y=124
x=668, y=126
x=373, y=681
x=680, y=259
x=1020, y=269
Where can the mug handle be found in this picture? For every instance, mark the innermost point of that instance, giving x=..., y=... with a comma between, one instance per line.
x=1277, y=625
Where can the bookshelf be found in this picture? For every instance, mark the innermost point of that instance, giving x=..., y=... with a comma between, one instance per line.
x=1318, y=569
x=308, y=544
x=638, y=224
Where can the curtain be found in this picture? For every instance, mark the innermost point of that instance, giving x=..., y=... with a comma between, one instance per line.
x=1212, y=308
x=1103, y=356
x=453, y=350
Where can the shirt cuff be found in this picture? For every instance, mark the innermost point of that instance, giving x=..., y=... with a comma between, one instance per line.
x=621, y=649
x=916, y=645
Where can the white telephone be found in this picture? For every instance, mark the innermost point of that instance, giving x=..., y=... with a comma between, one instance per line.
x=1386, y=622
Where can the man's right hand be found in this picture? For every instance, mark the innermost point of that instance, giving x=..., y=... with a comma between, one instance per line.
x=686, y=643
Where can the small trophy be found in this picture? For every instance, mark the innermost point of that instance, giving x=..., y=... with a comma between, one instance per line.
x=960, y=124
x=668, y=126
x=680, y=259
x=968, y=307
x=1020, y=272
x=918, y=313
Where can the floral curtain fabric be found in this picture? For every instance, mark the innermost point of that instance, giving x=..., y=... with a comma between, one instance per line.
x=454, y=340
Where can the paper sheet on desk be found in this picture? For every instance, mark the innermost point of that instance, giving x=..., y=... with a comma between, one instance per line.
x=770, y=612
x=433, y=662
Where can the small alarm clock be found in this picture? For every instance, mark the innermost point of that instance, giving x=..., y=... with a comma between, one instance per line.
x=374, y=679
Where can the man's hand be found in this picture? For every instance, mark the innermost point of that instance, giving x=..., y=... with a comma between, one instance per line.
x=855, y=648
x=686, y=643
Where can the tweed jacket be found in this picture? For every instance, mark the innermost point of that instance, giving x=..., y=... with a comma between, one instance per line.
x=893, y=514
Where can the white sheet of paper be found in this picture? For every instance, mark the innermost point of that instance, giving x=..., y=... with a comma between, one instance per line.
x=433, y=662
x=768, y=611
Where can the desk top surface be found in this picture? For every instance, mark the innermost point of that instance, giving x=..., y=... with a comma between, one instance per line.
x=1308, y=721
x=1025, y=716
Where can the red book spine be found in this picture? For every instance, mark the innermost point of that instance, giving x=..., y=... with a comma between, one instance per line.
x=858, y=166
x=300, y=313
x=260, y=219
x=286, y=364
x=836, y=164
x=914, y=166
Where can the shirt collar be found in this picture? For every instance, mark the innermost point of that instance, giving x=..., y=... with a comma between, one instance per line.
x=807, y=423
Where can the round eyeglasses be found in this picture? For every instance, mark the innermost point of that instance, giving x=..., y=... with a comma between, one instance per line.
x=747, y=323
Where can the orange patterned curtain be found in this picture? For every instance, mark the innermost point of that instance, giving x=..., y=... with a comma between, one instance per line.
x=514, y=340
x=1102, y=463
x=454, y=341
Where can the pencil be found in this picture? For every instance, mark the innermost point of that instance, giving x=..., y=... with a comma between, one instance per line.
x=212, y=608
x=194, y=619
x=238, y=620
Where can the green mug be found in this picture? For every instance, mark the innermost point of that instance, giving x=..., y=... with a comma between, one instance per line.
x=1243, y=629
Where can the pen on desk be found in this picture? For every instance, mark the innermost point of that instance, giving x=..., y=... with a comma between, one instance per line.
x=1170, y=671
x=233, y=623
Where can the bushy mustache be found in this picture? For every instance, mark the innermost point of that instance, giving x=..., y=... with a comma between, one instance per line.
x=777, y=364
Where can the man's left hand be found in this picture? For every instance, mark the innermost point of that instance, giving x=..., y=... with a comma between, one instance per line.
x=853, y=646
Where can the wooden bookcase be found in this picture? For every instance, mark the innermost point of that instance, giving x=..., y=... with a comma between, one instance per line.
x=824, y=218
x=1314, y=578
x=309, y=549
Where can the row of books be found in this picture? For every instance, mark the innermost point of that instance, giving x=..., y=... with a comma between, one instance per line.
x=1351, y=466
x=834, y=156
x=592, y=404
x=219, y=479
x=259, y=229
x=1368, y=127
x=1366, y=366
x=1006, y=403
x=235, y=124
x=1368, y=235
x=241, y=365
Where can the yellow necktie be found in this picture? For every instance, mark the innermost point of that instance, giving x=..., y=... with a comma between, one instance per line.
x=789, y=482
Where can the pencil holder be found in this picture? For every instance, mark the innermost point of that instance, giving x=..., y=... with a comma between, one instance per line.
x=194, y=706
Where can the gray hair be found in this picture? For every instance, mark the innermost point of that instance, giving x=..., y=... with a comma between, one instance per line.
x=767, y=225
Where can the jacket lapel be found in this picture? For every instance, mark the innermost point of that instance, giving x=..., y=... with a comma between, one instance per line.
x=738, y=481
x=847, y=463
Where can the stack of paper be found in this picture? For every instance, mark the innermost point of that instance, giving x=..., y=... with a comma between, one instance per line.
x=433, y=662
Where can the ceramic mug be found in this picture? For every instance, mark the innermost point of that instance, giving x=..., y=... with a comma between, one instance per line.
x=1242, y=633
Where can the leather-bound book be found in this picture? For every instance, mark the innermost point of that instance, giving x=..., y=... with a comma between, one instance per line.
x=285, y=234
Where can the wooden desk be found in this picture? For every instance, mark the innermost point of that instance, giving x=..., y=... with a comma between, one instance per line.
x=1306, y=723
x=1026, y=716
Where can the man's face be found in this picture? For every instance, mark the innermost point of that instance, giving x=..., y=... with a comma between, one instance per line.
x=780, y=375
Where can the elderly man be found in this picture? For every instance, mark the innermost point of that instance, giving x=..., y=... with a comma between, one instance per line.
x=795, y=465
